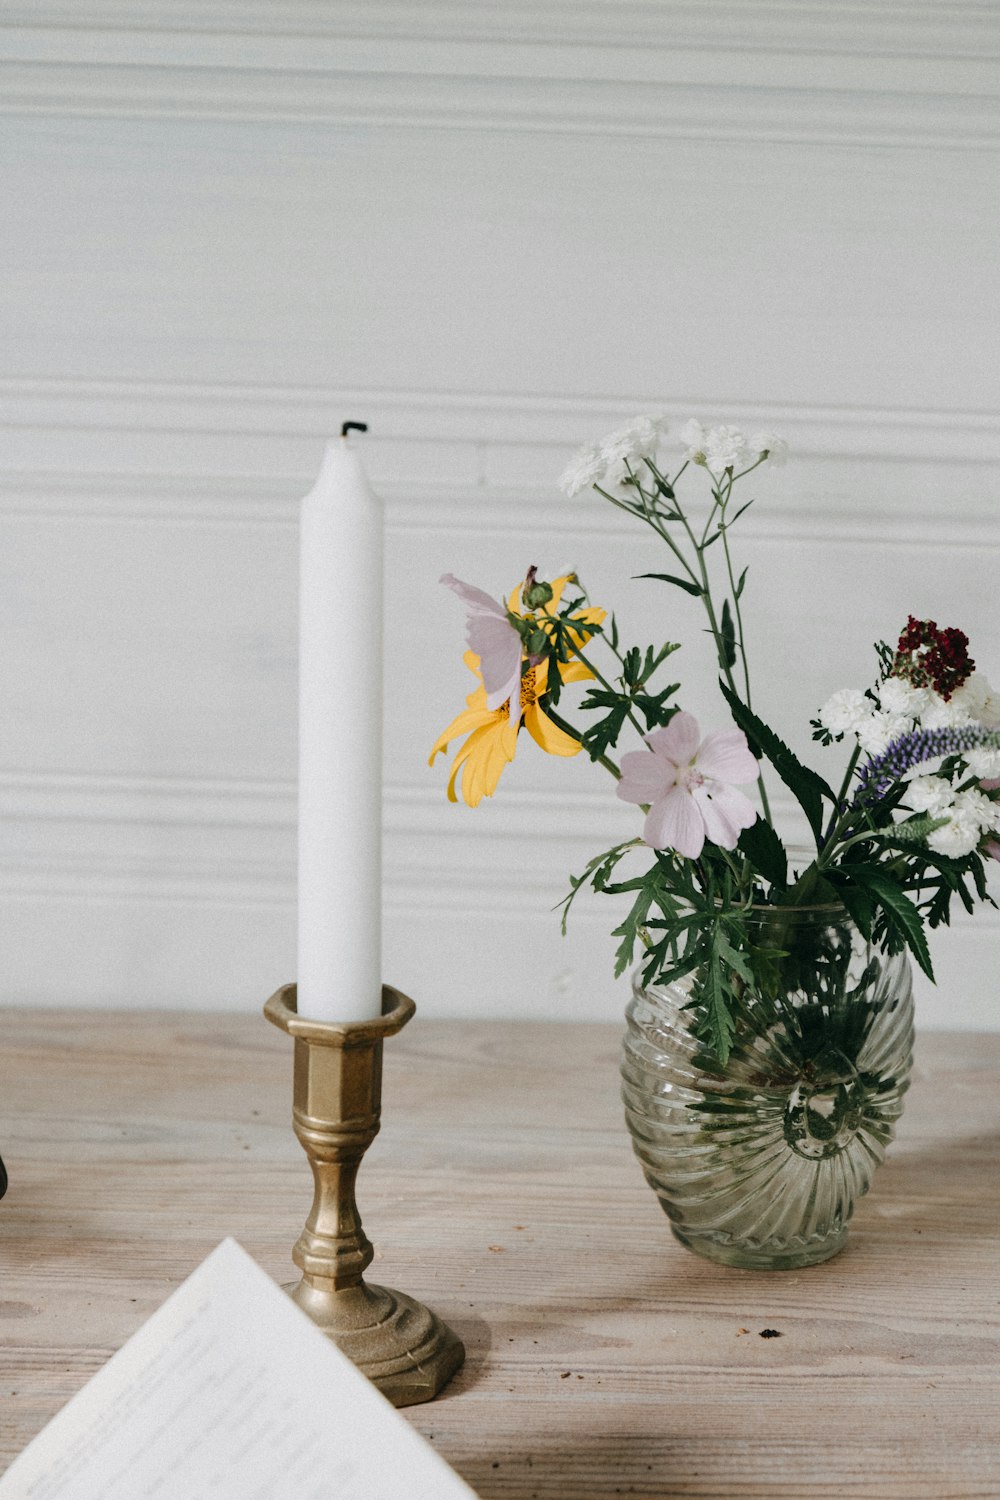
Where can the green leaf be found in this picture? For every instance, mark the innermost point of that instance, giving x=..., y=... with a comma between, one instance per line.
x=727, y=654
x=682, y=583
x=598, y=873
x=765, y=851
x=806, y=787
x=743, y=579
x=630, y=930
x=603, y=736
x=899, y=910
x=718, y=1023
x=856, y=899
x=734, y=518
x=653, y=706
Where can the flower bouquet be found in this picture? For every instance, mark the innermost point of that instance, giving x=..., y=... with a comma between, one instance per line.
x=771, y=1026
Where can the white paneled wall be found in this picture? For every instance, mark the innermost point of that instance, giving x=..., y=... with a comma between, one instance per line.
x=489, y=233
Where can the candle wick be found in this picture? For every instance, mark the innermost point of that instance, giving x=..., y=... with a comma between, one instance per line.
x=353, y=427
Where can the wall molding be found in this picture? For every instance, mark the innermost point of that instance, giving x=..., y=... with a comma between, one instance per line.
x=940, y=29
x=143, y=844
x=493, y=418
x=848, y=73
x=438, y=457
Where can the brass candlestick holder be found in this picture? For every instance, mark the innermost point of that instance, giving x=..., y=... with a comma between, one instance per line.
x=401, y=1346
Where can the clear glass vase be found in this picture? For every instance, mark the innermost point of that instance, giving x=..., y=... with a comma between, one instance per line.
x=760, y=1164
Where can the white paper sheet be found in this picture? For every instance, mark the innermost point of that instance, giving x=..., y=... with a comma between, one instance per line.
x=229, y=1392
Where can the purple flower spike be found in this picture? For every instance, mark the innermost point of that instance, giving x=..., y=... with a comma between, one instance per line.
x=877, y=776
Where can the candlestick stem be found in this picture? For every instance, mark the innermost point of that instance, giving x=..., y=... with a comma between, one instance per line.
x=400, y=1344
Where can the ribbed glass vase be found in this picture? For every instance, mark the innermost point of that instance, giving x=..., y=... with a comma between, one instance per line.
x=759, y=1164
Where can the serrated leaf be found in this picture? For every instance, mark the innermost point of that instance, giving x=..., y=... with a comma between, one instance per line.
x=806, y=787
x=900, y=912
x=629, y=931
x=856, y=899
x=765, y=851
x=719, y=1023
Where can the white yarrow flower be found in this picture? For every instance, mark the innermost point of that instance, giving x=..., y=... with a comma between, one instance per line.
x=637, y=440
x=587, y=467
x=845, y=711
x=977, y=805
x=879, y=730
x=990, y=715
x=693, y=438
x=978, y=699
x=944, y=713
x=604, y=462
x=725, y=448
x=896, y=696
x=957, y=838
x=983, y=762
x=929, y=794
x=775, y=447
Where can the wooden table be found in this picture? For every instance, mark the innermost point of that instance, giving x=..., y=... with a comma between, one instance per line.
x=602, y=1358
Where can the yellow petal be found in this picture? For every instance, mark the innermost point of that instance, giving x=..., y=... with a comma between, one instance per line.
x=589, y=617
x=558, y=585
x=574, y=671
x=474, y=717
x=481, y=760
x=552, y=739
x=461, y=760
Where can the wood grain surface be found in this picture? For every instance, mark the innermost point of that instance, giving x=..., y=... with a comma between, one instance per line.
x=603, y=1359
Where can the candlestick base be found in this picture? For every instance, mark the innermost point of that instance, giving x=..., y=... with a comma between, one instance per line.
x=403, y=1347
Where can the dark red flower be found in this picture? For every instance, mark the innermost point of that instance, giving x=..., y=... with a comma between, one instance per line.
x=929, y=657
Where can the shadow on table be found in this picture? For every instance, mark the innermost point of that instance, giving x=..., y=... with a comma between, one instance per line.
x=477, y=1336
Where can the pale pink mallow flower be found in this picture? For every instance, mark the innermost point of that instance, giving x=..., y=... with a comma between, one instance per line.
x=690, y=785
x=495, y=641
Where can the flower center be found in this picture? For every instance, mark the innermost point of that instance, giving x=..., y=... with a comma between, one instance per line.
x=689, y=777
x=529, y=693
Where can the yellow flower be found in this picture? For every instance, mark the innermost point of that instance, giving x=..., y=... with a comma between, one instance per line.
x=493, y=738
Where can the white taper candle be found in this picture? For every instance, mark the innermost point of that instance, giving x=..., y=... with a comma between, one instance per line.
x=340, y=744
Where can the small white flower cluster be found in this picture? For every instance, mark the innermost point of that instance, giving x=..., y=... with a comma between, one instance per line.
x=722, y=448
x=899, y=707
x=719, y=448
x=970, y=814
x=604, y=463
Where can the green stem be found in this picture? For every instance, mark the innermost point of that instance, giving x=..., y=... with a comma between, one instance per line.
x=826, y=854
x=648, y=514
x=574, y=734
x=855, y=754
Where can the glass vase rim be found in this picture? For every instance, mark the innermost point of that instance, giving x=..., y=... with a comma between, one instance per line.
x=835, y=908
